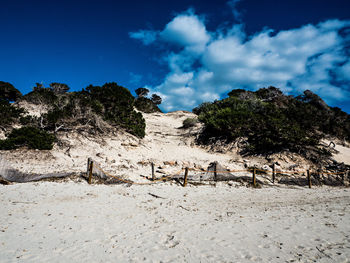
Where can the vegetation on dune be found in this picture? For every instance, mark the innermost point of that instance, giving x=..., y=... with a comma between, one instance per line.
x=144, y=104
x=9, y=113
x=268, y=120
x=8, y=92
x=89, y=108
x=31, y=137
x=272, y=122
x=95, y=109
x=41, y=95
x=189, y=122
x=116, y=104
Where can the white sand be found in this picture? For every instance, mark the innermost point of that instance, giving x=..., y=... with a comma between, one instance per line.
x=343, y=155
x=76, y=222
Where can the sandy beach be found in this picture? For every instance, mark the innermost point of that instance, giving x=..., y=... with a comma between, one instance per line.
x=75, y=222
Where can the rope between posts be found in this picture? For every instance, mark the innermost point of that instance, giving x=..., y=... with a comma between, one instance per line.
x=168, y=177
x=247, y=170
x=258, y=170
x=323, y=172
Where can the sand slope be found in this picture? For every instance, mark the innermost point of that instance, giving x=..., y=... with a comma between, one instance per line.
x=123, y=154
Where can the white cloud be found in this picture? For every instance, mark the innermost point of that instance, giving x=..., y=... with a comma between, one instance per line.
x=186, y=30
x=209, y=64
x=146, y=36
x=344, y=70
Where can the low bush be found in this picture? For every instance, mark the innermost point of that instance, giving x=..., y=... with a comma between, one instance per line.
x=146, y=105
x=9, y=92
x=271, y=121
x=189, y=122
x=9, y=113
x=41, y=95
x=31, y=137
x=110, y=102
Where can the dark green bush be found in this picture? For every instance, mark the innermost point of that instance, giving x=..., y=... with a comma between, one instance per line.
x=189, y=122
x=41, y=95
x=28, y=120
x=112, y=102
x=31, y=137
x=9, y=113
x=9, y=92
x=116, y=104
x=270, y=121
x=141, y=92
x=146, y=105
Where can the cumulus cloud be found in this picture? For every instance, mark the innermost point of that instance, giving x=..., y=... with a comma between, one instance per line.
x=186, y=30
x=146, y=36
x=209, y=64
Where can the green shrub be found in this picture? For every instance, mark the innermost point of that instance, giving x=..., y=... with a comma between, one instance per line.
x=41, y=95
x=270, y=121
x=189, y=122
x=112, y=102
x=9, y=113
x=9, y=92
x=31, y=137
x=116, y=104
x=146, y=105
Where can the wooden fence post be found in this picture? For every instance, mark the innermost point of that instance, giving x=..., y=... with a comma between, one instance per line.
x=273, y=173
x=88, y=167
x=254, y=177
x=346, y=177
x=308, y=178
x=215, y=172
x=185, y=177
x=152, y=164
x=90, y=171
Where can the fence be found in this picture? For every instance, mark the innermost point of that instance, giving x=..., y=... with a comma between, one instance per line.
x=251, y=171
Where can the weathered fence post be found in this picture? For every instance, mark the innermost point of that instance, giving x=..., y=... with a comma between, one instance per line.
x=273, y=173
x=88, y=166
x=90, y=171
x=308, y=178
x=346, y=177
x=185, y=177
x=152, y=164
x=254, y=177
x=215, y=171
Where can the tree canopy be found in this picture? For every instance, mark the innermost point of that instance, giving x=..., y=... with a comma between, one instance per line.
x=8, y=92
x=141, y=92
x=59, y=88
x=156, y=99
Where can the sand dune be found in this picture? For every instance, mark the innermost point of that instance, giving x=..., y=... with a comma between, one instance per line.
x=226, y=222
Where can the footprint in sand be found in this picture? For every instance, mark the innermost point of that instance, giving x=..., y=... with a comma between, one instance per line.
x=171, y=242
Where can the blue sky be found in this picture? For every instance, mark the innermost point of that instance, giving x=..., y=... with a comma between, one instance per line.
x=186, y=51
